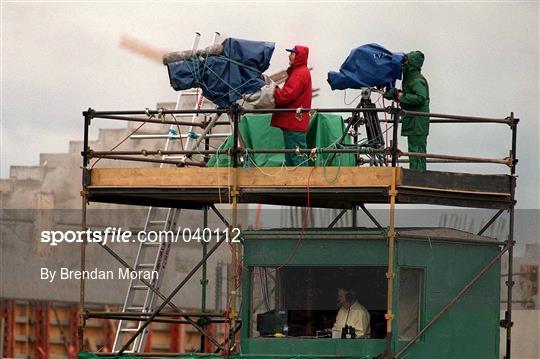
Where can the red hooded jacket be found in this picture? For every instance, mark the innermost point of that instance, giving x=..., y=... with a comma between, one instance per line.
x=296, y=92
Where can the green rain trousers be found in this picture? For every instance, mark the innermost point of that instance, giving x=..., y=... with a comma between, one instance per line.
x=417, y=144
x=294, y=139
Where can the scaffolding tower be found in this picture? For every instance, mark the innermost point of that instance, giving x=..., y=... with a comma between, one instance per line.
x=202, y=188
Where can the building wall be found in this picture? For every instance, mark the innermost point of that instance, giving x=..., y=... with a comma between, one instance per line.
x=525, y=304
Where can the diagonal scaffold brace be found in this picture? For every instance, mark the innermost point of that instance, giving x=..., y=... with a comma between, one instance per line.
x=168, y=299
x=163, y=297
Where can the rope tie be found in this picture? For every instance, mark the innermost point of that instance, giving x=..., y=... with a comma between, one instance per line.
x=199, y=68
x=193, y=135
x=247, y=159
x=144, y=152
x=147, y=112
x=299, y=114
x=313, y=154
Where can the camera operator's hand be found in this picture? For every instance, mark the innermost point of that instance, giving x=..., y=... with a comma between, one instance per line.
x=391, y=94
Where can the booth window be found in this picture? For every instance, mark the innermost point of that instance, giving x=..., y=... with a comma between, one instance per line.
x=302, y=301
x=410, y=295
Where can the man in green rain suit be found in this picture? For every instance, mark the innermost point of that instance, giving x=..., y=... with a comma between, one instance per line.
x=413, y=97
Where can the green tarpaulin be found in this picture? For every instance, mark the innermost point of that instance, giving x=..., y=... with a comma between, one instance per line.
x=324, y=131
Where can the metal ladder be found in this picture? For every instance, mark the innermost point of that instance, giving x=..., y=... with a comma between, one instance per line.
x=153, y=256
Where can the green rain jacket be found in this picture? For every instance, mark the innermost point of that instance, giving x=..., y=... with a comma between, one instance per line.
x=415, y=96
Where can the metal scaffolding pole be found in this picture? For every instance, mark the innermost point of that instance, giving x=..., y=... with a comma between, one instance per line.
x=82, y=280
x=395, y=150
x=224, y=220
x=507, y=322
x=236, y=248
x=390, y=274
x=84, y=203
x=338, y=217
x=368, y=213
x=204, y=281
x=490, y=222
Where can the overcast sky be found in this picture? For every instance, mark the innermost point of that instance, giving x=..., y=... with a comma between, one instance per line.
x=61, y=58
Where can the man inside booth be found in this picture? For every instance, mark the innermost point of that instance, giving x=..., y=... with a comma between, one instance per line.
x=351, y=314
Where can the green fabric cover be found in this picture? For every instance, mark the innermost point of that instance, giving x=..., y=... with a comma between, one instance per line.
x=324, y=131
x=257, y=134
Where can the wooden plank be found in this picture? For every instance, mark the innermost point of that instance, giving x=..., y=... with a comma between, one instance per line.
x=452, y=199
x=160, y=177
x=467, y=182
x=457, y=191
x=316, y=177
x=194, y=177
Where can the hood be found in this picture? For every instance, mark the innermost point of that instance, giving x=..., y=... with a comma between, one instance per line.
x=301, y=57
x=415, y=60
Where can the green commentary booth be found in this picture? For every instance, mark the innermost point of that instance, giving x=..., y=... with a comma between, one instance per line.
x=292, y=276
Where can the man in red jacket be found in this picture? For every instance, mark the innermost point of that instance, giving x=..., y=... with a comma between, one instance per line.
x=296, y=93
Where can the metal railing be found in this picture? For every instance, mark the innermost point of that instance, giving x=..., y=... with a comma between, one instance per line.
x=159, y=116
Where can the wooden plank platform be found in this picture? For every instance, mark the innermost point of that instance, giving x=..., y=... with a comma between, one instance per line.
x=329, y=187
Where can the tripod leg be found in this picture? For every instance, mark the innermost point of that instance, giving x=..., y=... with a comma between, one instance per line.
x=353, y=120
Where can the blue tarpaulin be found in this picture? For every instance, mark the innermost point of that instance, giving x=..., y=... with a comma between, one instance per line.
x=226, y=77
x=366, y=66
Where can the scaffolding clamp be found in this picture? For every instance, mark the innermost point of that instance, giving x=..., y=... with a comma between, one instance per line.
x=232, y=315
x=394, y=110
x=505, y=323
x=313, y=154
x=161, y=117
x=511, y=161
x=512, y=121
x=89, y=114
x=85, y=179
